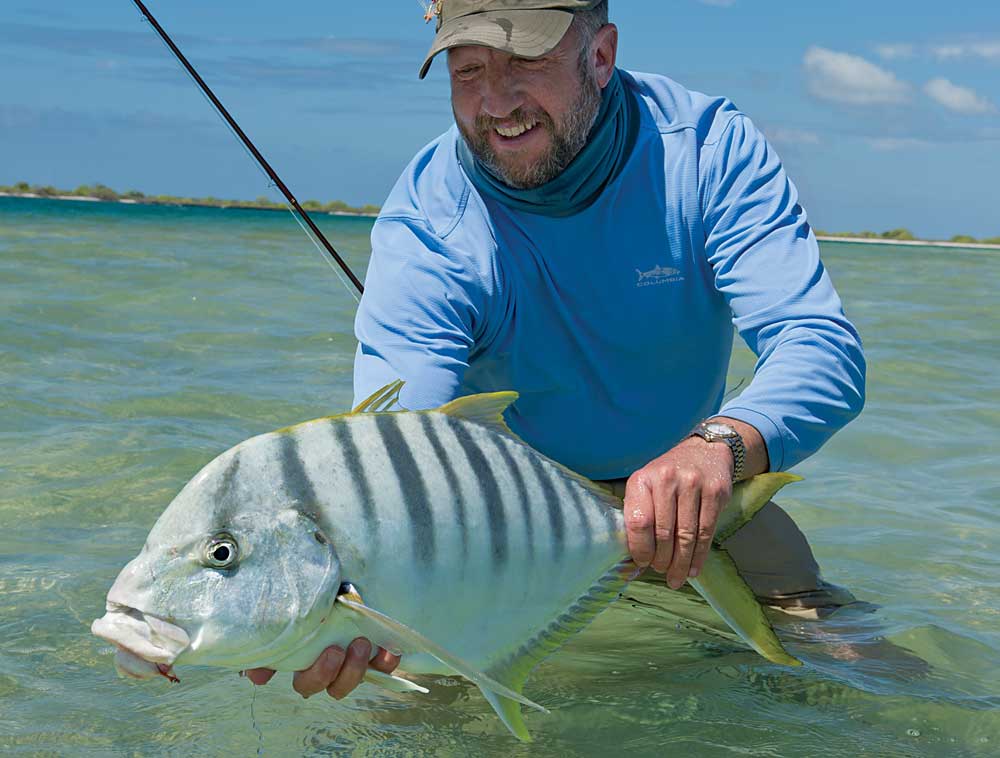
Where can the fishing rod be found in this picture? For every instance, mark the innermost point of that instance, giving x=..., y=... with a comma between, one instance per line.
x=311, y=230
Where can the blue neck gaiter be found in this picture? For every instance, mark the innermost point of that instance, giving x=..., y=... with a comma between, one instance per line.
x=582, y=181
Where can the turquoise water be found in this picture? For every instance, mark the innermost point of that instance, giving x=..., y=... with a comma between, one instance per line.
x=137, y=343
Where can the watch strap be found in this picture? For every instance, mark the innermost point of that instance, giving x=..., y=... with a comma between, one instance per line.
x=733, y=440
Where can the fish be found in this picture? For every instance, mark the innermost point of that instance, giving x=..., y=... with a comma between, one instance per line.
x=440, y=535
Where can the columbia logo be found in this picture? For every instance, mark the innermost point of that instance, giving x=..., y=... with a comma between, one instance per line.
x=658, y=275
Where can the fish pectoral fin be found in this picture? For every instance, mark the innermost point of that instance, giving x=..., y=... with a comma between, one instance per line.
x=392, y=682
x=381, y=400
x=412, y=641
x=748, y=498
x=728, y=593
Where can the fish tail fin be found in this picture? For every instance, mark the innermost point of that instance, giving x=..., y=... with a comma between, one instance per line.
x=720, y=582
x=728, y=593
x=747, y=499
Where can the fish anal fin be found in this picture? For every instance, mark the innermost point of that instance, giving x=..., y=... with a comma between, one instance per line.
x=509, y=712
x=748, y=498
x=728, y=593
x=515, y=670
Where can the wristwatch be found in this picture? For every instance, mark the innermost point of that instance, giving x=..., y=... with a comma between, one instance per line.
x=716, y=431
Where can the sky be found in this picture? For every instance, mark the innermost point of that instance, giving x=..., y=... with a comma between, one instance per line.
x=885, y=112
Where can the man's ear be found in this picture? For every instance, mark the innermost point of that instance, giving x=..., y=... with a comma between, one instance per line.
x=604, y=50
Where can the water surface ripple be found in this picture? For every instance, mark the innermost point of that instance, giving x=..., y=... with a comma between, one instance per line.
x=137, y=343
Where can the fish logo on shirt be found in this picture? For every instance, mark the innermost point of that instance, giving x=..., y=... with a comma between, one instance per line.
x=658, y=275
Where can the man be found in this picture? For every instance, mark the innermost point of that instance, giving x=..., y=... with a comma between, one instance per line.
x=588, y=237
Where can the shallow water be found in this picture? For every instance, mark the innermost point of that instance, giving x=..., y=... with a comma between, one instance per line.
x=137, y=343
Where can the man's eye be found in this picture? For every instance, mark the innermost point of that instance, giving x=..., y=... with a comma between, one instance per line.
x=467, y=71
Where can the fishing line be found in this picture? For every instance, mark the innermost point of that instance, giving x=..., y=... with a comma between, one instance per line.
x=253, y=721
x=305, y=222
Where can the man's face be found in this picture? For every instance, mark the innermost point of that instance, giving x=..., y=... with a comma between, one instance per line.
x=525, y=119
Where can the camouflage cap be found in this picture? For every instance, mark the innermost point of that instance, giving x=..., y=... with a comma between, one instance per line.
x=526, y=28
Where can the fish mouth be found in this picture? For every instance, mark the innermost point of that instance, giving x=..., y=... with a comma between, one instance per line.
x=146, y=644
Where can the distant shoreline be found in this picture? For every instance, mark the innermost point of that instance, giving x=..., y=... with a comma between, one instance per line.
x=225, y=205
x=911, y=243
x=237, y=205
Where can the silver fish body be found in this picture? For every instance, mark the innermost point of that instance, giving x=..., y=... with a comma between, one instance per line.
x=485, y=554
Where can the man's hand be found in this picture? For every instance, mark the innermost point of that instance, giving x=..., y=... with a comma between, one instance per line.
x=672, y=504
x=337, y=671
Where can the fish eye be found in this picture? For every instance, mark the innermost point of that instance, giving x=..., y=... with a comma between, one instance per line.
x=221, y=551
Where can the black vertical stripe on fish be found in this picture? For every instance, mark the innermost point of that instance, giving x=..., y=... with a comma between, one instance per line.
x=225, y=501
x=522, y=491
x=416, y=497
x=298, y=483
x=451, y=477
x=551, y=498
x=576, y=495
x=492, y=498
x=350, y=458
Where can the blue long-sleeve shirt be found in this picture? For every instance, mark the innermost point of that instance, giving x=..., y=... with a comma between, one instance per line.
x=615, y=324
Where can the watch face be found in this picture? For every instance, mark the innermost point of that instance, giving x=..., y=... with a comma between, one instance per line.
x=719, y=429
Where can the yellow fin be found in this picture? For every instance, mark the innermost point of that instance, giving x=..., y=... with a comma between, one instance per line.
x=515, y=670
x=382, y=399
x=485, y=409
x=728, y=593
x=748, y=498
x=509, y=712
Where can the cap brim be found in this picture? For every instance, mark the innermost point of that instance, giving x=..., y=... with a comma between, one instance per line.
x=524, y=33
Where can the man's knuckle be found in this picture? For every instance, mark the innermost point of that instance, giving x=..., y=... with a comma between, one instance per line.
x=688, y=478
x=715, y=489
x=686, y=537
x=639, y=521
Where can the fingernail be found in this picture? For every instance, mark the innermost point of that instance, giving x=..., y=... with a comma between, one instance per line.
x=361, y=647
x=674, y=584
x=694, y=573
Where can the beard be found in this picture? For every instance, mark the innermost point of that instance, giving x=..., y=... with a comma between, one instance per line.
x=566, y=139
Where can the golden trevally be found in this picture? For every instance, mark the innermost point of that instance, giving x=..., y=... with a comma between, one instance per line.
x=437, y=534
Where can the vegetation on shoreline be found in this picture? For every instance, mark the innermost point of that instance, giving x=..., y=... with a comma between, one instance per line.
x=106, y=194
x=905, y=235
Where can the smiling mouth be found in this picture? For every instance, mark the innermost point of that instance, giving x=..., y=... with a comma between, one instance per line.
x=515, y=131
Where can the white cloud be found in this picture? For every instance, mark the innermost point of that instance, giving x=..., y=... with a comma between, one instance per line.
x=780, y=136
x=957, y=98
x=989, y=50
x=895, y=51
x=846, y=78
x=897, y=143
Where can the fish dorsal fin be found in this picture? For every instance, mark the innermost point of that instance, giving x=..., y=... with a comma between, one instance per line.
x=382, y=399
x=410, y=640
x=485, y=409
x=748, y=498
